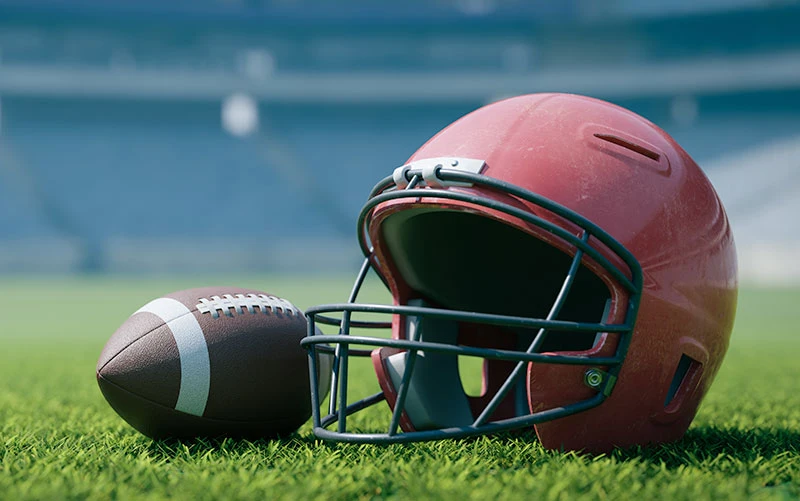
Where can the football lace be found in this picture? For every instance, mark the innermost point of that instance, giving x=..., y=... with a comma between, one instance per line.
x=231, y=305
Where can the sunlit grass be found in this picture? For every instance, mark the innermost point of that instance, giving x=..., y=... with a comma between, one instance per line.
x=60, y=440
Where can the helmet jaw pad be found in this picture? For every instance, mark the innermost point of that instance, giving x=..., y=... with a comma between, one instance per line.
x=435, y=397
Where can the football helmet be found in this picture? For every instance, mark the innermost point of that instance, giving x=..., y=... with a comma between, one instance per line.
x=573, y=246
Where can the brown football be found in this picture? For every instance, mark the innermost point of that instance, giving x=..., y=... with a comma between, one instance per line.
x=209, y=362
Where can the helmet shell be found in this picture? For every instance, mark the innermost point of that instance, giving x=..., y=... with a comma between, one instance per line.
x=630, y=178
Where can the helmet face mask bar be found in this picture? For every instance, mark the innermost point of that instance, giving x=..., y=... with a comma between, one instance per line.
x=425, y=414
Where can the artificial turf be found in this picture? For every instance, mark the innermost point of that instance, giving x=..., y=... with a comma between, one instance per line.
x=60, y=440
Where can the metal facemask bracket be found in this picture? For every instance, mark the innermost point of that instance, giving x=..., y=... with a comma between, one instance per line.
x=600, y=380
x=430, y=168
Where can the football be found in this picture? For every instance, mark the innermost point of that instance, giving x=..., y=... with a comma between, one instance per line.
x=216, y=361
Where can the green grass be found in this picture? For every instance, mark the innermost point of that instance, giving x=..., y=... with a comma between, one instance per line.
x=60, y=440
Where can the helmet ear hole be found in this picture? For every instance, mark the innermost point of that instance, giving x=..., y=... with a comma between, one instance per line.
x=684, y=390
x=685, y=373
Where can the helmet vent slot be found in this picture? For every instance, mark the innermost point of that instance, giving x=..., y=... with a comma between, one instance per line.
x=687, y=366
x=652, y=155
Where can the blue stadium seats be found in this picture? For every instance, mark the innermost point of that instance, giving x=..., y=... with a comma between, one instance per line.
x=106, y=143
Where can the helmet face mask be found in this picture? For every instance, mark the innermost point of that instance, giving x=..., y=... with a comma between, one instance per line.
x=484, y=267
x=433, y=404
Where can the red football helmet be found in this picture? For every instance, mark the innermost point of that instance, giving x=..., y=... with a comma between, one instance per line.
x=571, y=244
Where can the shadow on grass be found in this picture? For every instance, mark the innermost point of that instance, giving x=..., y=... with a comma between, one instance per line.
x=708, y=443
x=174, y=447
x=699, y=445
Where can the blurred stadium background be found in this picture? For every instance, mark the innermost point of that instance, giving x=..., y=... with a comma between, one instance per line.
x=243, y=135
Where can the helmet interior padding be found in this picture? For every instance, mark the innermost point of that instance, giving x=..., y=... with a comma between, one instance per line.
x=464, y=261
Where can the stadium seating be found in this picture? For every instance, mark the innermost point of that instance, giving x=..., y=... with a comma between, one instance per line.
x=113, y=157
